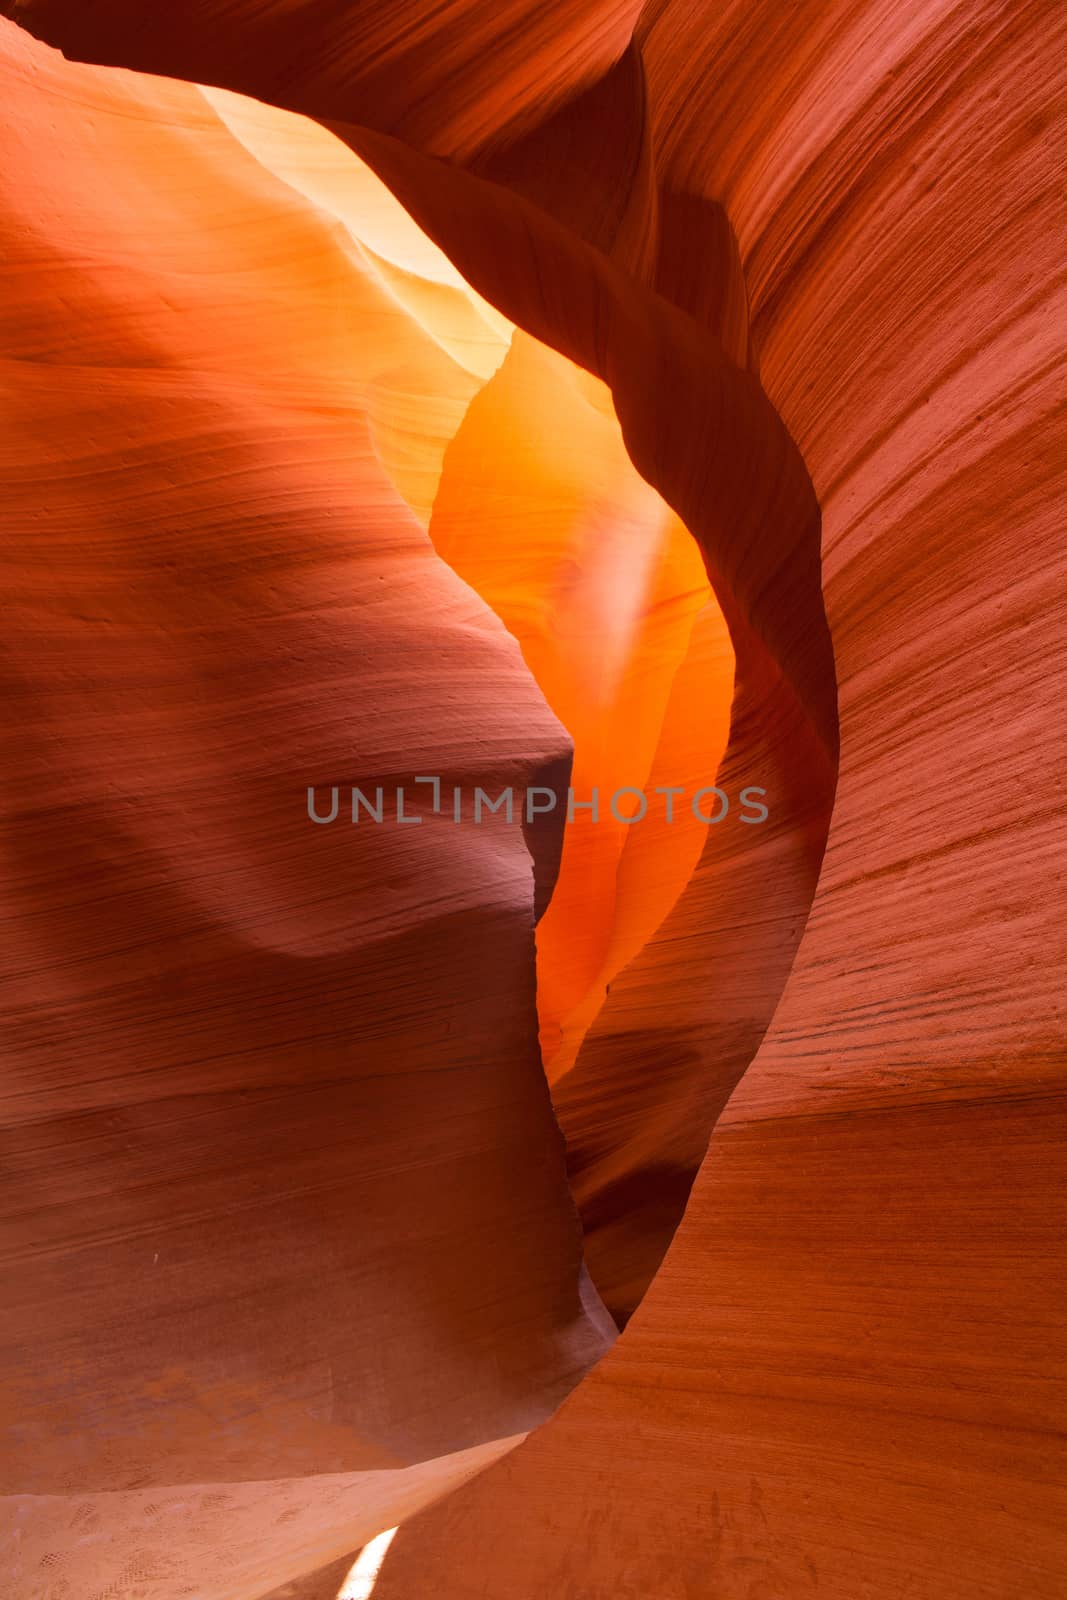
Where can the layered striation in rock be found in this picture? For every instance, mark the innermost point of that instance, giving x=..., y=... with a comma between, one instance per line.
x=846, y=1380
x=579, y=243
x=823, y=239
x=542, y=513
x=283, y=1194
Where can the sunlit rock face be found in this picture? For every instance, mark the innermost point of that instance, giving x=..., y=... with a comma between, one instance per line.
x=275, y=1101
x=283, y=1190
x=810, y=259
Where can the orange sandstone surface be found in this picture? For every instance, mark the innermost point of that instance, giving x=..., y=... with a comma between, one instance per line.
x=339, y=456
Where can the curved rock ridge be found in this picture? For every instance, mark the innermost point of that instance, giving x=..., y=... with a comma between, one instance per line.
x=844, y=1379
x=543, y=514
x=458, y=79
x=263, y=1537
x=591, y=280
x=686, y=1015
x=289, y=1246
x=541, y=511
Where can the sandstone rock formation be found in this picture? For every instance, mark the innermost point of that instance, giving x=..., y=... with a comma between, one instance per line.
x=283, y=1191
x=815, y=254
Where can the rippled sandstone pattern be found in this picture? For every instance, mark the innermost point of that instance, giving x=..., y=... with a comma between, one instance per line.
x=288, y=1243
x=684, y=1021
x=843, y=1380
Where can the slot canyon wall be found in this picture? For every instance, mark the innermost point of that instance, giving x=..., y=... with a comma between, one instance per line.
x=291, y=1235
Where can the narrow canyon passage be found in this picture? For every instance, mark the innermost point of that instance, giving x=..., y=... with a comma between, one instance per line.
x=410, y=403
x=536, y=504
x=313, y=498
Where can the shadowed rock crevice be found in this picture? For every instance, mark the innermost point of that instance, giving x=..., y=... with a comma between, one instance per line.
x=700, y=429
x=672, y=345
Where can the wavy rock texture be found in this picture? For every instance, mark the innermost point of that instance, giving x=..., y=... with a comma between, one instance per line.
x=843, y=1380
x=692, y=1007
x=457, y=78
x=283, y=1193
x=846, y=1380
x=684, y=1020
x=542, y=513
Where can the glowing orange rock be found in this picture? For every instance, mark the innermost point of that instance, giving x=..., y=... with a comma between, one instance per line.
x=845, y=1378
x=280, y=1168
x=541, y=511
x=840, y=1381
x=684, y=1020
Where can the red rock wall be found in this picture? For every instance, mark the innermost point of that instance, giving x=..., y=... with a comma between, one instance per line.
x=282, y=1191
x=844, y=1379
x=847, y=1378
